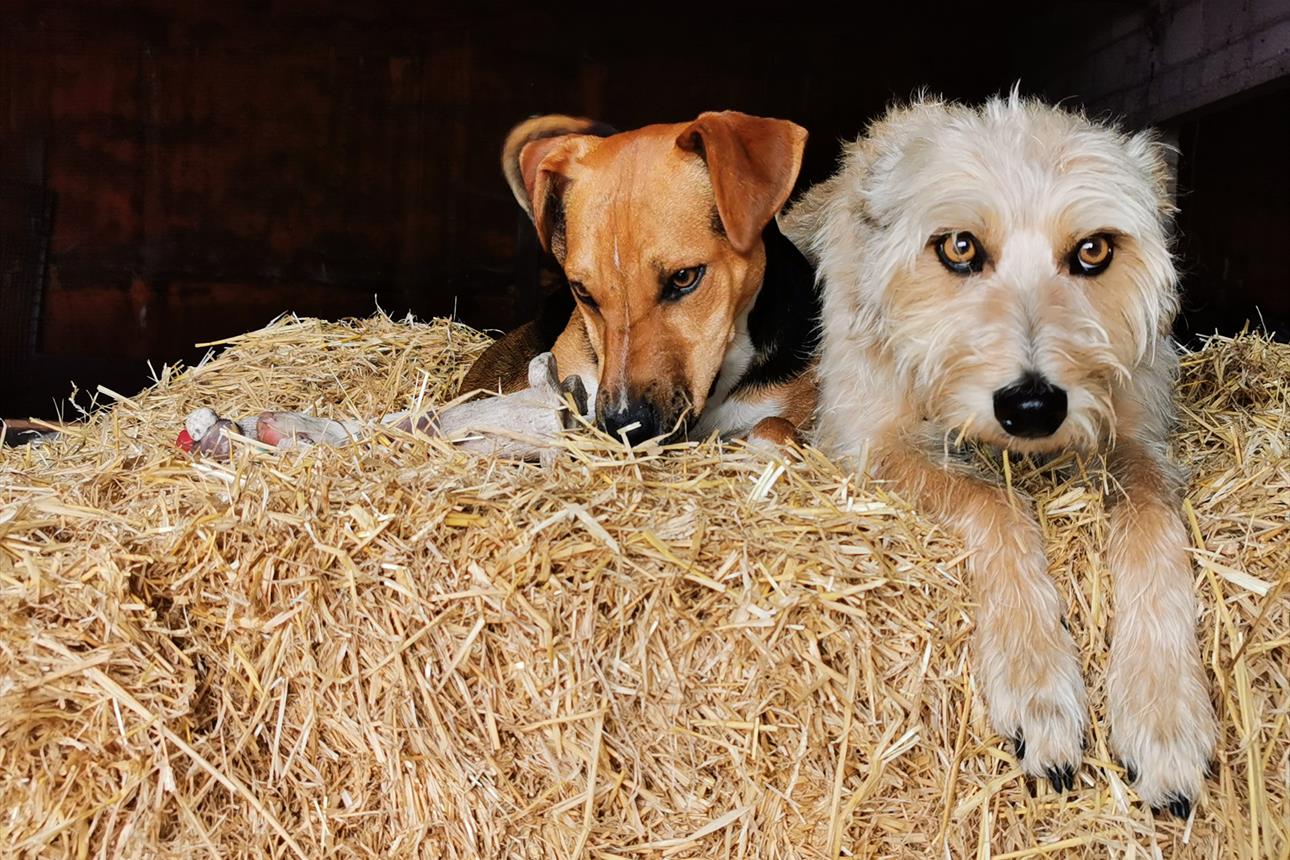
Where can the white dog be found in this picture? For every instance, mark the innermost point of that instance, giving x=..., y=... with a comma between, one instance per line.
x=1004, y=274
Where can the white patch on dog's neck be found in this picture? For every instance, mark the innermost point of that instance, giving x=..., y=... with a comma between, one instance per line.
x=739, y=354
x=734, y=417
x=618, y=264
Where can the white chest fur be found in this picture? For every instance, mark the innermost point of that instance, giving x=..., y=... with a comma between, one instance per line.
x=733, y=416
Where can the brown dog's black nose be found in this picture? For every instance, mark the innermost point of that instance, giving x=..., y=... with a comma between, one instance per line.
x=1031, y=408
x=640, y=413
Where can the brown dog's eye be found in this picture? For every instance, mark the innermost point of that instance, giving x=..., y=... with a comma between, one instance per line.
x=1092, y=255
x=682, y=282
x=960, y=253
x=580, y=293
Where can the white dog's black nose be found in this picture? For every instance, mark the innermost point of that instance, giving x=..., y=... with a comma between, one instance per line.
x=1031, y=408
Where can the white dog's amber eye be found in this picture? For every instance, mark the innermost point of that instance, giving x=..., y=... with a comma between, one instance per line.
x=682, y=281
x=960, y=253
x=1092, y=255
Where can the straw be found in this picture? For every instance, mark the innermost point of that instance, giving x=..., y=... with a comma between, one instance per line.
x=395, y=649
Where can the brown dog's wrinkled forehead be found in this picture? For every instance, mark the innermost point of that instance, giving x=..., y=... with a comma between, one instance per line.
x=724, y=173
x=643, y=188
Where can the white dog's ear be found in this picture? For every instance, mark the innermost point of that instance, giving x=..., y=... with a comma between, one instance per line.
x=824, y=216
x=803, y=222
x=825, y=213
x=1155, y=159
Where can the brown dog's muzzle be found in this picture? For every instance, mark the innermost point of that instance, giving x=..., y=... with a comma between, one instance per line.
x=660, y=410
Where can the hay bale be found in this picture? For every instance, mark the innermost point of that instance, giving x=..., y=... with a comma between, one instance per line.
x=395, y=649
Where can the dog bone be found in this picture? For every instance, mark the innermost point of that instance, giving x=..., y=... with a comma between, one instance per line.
x=520, y=425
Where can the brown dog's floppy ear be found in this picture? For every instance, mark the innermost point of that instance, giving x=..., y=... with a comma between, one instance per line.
x=752, y=162
x=544, y=166
x=541, y=128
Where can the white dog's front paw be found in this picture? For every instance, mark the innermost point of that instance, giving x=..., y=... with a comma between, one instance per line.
x=1163, y=730
x=1036, y=698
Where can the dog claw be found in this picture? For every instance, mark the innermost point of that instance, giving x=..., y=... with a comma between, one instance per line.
x=1062, y=778
x=1178, y=806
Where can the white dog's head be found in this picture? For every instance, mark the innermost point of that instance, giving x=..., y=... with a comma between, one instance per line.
x=1010, y=263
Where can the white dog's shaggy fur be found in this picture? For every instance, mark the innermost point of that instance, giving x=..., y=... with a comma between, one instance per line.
x=1021, y=197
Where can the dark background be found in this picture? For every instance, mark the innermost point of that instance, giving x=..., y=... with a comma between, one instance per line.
x=173, y=173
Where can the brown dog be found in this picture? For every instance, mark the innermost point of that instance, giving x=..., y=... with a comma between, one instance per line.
x=694, y=314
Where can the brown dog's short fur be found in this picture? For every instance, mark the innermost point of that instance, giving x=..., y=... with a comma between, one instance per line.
x=666, y=236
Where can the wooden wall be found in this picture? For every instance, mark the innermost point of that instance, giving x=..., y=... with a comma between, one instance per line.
x=205, y=166
x=178, y=172
x=1234, y=216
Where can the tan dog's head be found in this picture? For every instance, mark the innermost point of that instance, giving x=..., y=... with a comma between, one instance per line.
x=659, y=234
x=1010, y=263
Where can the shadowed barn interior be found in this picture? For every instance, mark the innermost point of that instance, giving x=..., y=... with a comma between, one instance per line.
x=175, y=173
x=394, y=648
